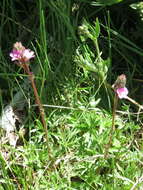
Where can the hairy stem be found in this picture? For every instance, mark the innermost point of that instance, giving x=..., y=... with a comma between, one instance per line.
x=112, y=127
x=41, y=109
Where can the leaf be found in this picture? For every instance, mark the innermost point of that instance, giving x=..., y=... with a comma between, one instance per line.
x=108, y=2
x=116, y=143
x=97, y=28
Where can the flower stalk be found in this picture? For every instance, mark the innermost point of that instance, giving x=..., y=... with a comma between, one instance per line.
x=22, y=56
x=41, y=109
x=120, y=92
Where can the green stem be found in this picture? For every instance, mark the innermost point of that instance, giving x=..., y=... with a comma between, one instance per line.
x=97, y=49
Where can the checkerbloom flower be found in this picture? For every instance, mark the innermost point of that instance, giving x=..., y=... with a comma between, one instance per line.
x=21, y=54
x=122, y=92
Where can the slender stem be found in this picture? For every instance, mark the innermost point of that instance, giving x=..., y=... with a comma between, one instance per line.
x=41, y=109
x=114, y=112
x=113, y=126
x=97, y=49
x=113, y=121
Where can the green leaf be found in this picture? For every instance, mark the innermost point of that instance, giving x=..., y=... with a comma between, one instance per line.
x=97, y=28
x=109, y=2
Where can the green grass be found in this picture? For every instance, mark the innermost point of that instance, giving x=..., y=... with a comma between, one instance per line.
x=81, y=47
x=77, y=142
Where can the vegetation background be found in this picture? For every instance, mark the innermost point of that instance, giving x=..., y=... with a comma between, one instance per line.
x=81, y=47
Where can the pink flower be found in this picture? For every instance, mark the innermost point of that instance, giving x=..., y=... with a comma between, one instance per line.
x=122, y=92
x=15, y=55
x=28, y=54
x=20, y=54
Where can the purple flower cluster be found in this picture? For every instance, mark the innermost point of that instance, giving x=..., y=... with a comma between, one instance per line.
x=21, y=54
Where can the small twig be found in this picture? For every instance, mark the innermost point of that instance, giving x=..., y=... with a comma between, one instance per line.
x=137, y=104
x=134, y=102
x=140, y=180
x=69, y=108
x=127, y=113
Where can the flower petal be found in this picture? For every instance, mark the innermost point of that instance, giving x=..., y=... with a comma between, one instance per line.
x=122, y=92
x=21, y=54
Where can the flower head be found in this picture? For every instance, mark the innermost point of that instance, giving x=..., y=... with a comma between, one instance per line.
x=119, y=86
x=120, y=82
x=21, y=54
x=122, y=92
